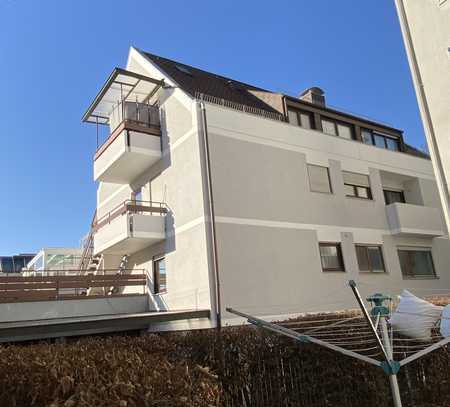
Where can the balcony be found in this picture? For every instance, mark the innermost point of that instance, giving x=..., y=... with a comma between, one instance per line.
x=133, y=146
x=413, y=220
x=128, y=104
x=130, y=227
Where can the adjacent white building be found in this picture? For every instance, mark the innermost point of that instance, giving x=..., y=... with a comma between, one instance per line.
x=232, y=195
x=425, y=27
x=55, y=259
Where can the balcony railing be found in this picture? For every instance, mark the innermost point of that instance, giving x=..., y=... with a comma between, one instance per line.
x=140, y=114
x=139, y=117
x=408, y=219
x=151, y=208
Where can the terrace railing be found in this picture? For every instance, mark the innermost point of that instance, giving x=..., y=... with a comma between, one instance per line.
x=61, y=285
x=131, y=206
x=238, y=106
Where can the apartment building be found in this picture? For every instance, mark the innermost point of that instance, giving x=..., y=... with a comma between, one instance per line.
x=230, y=195
x=426, y=34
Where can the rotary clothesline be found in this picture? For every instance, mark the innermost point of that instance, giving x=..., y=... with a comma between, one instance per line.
x=366, y=336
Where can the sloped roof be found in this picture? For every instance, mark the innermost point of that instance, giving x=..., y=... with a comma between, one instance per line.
x=195, y=81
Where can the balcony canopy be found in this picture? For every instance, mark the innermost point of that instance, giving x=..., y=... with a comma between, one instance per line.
x=121, y=86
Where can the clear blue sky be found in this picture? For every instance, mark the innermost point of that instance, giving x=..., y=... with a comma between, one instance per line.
x=54, y=56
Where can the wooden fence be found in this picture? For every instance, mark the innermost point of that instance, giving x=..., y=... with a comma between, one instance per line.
x=68, y=286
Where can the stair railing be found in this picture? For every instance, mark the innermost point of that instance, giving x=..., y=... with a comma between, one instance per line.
x=88, y=246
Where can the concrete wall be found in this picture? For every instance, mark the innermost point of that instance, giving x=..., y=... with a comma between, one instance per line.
x=269, y=223
x=24, y=311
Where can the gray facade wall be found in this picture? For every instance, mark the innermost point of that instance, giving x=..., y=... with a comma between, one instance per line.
x=269, y=223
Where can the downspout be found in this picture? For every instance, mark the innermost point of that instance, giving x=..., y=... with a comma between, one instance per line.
x=425, y=110
x=212, y=221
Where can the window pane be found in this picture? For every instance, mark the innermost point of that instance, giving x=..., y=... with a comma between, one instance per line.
x=345, y=131
x=319, y=179
x=376, y=259
x=363, y=192
x=366, y=136
x=328, y=127
x=363, y=260
x=392, y=144
x=349, y=190
x=160, y=282
x=293, y=118
x=379, y=141
x=305, y=120
x=416, y=263
x=331, y=257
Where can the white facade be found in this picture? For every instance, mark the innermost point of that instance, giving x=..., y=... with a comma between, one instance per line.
x=426, y=32
x=242, y=226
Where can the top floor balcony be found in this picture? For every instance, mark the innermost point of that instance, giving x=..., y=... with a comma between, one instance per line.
x=127, y=105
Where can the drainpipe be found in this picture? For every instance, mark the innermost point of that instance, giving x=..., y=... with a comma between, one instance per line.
x=212, y=223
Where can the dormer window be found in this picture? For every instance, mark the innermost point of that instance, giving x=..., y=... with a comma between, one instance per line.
x=380, y=140
x=301, y=118
x=337, y=128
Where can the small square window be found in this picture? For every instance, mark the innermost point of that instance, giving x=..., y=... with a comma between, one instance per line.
x=392, y=144
x=370, y=259
x=306, y=120
x=345, y=131
x=319, y=179
x=329, y=127
x=331, y=257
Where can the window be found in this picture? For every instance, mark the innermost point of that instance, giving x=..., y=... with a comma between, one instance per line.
x=319, y=179
x=331, y=257
x=380, y=140
x=357, y=185
x=7, y=265
x=159, y=275
x=370, y=259
x=337, y=128
x=392, y=196
x=345, y=131
x=329, y=127
x=301, y=118
x=416, y=262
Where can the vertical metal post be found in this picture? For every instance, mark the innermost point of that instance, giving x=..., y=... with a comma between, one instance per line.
x=96, y=122
x=392, y=377
x=381, y=312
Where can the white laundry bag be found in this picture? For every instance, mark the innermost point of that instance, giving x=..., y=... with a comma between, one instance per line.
x=445, y=322
x=415, y=317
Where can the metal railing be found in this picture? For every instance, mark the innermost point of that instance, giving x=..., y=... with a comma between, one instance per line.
x=141, y=114
x=51, y=285
x=136, y=115
x=88, y=245
x=131, y=206
x=238, y=106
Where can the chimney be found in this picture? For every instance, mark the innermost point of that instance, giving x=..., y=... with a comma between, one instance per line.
x=313, y=95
